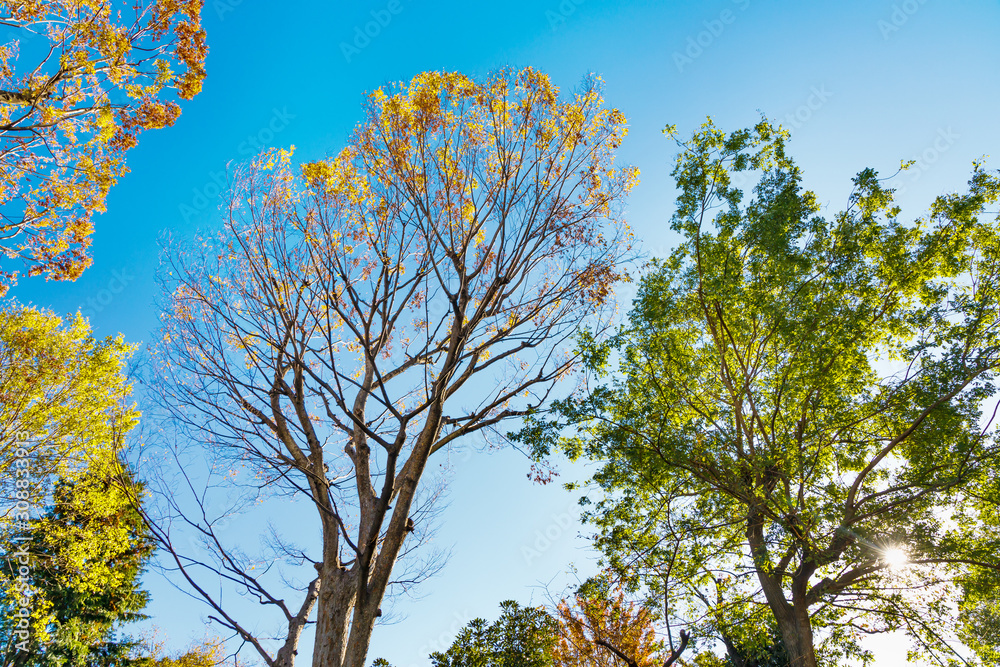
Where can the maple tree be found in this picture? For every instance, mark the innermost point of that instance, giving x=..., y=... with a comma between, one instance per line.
x=350, y=322
x=799, y=432
x=600, y=627
x=79, y=81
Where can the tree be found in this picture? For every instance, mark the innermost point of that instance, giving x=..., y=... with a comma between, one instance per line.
x=795, y=435
x=599, y=627
x=979, y=609
x=521, y=637
x=77, y=86
x=86, y=555
x=65, y=412
x=348, y=324
x=207, y=654
x=64, y=400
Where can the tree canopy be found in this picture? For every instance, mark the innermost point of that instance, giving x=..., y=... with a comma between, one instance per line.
x=791, y=424
x=66, y=411
x=74, y=522
x=600, y=627
x=86, y=554
x=361, y=314
x=63, y=395
x=78, y=83
x=521, y=637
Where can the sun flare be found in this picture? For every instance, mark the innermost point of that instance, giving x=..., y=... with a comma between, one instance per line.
x=895, y=557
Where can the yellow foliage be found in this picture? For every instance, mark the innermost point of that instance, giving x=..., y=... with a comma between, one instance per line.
x=63, y=141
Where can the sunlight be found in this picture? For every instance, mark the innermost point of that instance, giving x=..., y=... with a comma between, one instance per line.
x=895, y=557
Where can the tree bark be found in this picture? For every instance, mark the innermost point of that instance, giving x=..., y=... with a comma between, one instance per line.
x=792, y=617
x=346, y=621
x=796, y=631
x=334, y=607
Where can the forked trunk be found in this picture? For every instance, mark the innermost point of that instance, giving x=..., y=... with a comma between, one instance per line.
x=346, y=617
x=792, y=617
x=361, y=635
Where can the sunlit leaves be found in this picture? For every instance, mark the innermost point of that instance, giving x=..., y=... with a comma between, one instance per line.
x=62, y=393
x=795, y=395
x=79, y=81
x=65, y=408
x=600, y=612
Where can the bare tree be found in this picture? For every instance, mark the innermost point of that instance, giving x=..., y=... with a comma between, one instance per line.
x=351, y=322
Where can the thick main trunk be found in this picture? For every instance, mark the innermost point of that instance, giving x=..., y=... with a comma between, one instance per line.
x=333, y=614
x=361, y=634
x=366, y=608
x=347, y=613
x=346, y=617
x=796, y=631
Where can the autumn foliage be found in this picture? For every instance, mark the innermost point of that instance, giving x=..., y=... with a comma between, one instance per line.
x=79, y=81
x=62, y=388
x=600, y=614
x=357, y=316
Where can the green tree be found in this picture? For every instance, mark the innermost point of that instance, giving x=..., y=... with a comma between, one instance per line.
x=795, y=437
x=65, y=409
x=64, y=398
x=521, y=637
x=85, y=555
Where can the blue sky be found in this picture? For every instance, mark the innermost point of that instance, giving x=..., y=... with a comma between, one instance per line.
x=861, y=83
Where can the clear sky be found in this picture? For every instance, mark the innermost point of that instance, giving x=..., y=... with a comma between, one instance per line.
x=861, y=82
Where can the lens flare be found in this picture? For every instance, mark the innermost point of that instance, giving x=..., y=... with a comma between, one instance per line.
x=895, y=557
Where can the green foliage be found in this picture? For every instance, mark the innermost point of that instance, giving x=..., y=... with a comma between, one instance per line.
x=521, y=637
x=770, y=652
x=65, y=411
x=87, y=554
x=797, y=395
x=62, y=394
x=979, y=609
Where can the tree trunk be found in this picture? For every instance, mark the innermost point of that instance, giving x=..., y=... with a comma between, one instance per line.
x=334, y=607
x=792, y=618
x=796, y=631
x=346, y=618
